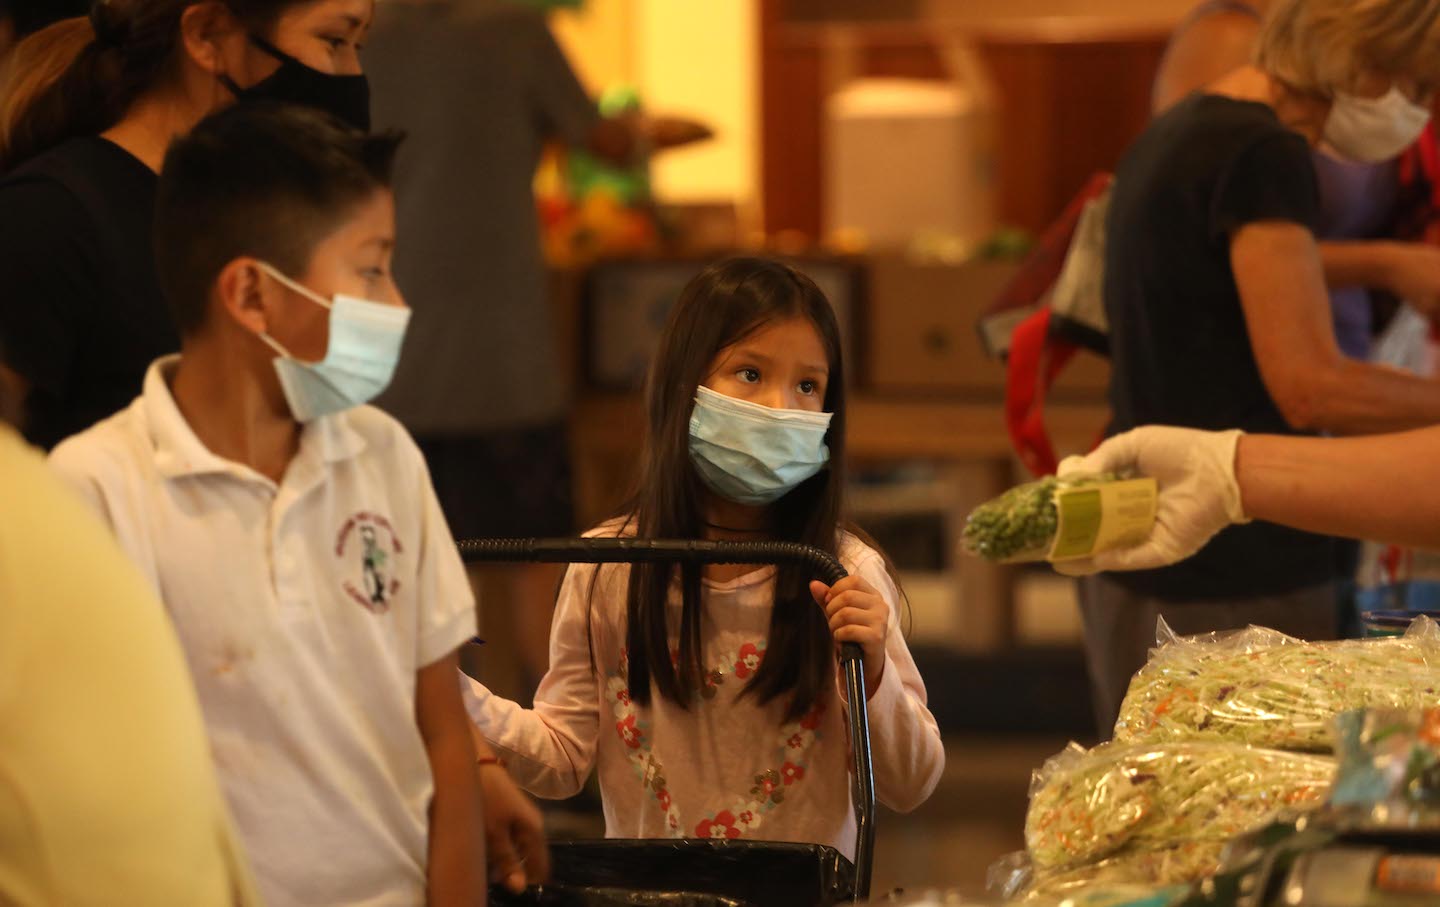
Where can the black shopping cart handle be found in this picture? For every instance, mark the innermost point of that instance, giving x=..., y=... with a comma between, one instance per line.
x=824, y=567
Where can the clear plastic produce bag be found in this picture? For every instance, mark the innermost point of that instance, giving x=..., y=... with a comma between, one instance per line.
x=1134, y=877
x=1266, y=689
x=1087, y=805
x=1062, y=519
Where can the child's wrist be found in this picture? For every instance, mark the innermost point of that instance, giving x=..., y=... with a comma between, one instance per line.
x=483, y=761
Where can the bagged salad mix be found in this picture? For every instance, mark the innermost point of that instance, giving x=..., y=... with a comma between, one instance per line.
x=1062, y=519
x=1266, y=689
x=1164, y=871
x=1087, y=805
x=1154, y=876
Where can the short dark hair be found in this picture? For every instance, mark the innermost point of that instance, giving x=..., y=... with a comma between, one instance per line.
x=268, y=181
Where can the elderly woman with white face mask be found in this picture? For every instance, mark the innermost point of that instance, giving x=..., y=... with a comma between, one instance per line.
x=1215, y=290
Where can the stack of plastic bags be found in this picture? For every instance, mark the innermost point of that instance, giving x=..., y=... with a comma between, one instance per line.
x=1267, y=689
x=1158, y=813
x=1219, y=735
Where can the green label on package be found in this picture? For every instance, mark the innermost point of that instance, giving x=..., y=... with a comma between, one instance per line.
x=1095, y=518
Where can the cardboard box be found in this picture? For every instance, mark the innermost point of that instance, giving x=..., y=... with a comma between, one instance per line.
x=922, y=332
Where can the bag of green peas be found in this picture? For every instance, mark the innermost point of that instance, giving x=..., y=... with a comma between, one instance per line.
x=1062, y=519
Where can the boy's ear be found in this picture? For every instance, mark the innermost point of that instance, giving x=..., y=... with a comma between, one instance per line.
x=240, y=292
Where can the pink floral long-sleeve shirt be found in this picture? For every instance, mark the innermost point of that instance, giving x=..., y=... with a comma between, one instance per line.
x=726, y=767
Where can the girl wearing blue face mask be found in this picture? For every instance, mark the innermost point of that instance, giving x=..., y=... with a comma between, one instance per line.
x=707, y=699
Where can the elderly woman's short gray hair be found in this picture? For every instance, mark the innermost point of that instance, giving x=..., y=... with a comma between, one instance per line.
x=1320, y=47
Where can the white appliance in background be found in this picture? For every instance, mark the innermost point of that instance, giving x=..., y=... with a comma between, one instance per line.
x=911, y=159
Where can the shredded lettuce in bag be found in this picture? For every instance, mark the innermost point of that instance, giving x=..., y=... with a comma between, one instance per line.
x=1138, y=877
x=1157, y=868
x=1086, y=805
x=1265, y=689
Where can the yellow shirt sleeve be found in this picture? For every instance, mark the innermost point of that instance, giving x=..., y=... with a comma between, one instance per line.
x=107, y=792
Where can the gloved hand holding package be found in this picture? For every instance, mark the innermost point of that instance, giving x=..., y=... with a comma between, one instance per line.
x=1062, y=519
x=1087, y=805
x=1266, y=689
x=1198, y=496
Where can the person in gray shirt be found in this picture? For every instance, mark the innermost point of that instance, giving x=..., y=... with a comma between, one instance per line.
x=481, y=86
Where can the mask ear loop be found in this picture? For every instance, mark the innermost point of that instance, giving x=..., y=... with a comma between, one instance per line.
x=274, y=345
x=228, y=84
x=223, y=77
x=305, y=291
x=271, y=50
x=295, y=285
x=264, y=47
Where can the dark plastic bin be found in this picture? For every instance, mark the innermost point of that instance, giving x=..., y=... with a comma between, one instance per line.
x=699, y=872
x=555, y=896
x=674, y=873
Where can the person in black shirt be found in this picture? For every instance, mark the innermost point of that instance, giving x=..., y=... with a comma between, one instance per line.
x=1215, y=293
x=88, y=111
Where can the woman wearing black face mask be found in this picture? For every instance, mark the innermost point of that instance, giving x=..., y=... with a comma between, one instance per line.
x=87, y=110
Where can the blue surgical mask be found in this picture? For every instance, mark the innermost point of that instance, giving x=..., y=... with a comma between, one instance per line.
x=752, y=454
x=359, y=362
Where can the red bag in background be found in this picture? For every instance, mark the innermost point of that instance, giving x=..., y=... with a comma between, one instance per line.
x=1419, y=218
x=1049, y=311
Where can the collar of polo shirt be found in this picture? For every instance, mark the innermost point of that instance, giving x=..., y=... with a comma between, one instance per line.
x=179, y=452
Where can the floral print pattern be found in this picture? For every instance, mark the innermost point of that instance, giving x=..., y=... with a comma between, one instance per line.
x=791, y=745
x=747, y=661
x=721, y=826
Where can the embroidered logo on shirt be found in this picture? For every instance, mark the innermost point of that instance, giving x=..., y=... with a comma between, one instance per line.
x=792, y=744
x=366, y=544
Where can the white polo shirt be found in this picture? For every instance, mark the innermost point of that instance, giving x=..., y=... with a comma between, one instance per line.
x=305, y=611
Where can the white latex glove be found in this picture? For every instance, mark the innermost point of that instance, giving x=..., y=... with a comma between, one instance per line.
x=1199, y=494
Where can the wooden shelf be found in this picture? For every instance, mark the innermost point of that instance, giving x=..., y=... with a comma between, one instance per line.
x=881, y=428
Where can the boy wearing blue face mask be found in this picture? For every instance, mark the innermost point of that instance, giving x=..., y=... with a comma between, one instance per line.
x=291, y=531
x=708, y=701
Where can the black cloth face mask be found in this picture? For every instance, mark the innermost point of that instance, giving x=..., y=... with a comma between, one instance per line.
x=346, y=97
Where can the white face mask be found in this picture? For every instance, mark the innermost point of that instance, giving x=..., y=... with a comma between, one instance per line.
x=359, y=361
x=1374, y=129
x=752, y=454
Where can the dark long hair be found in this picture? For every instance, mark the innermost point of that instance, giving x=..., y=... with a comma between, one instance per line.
x=718, y=308
x=79, y=76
